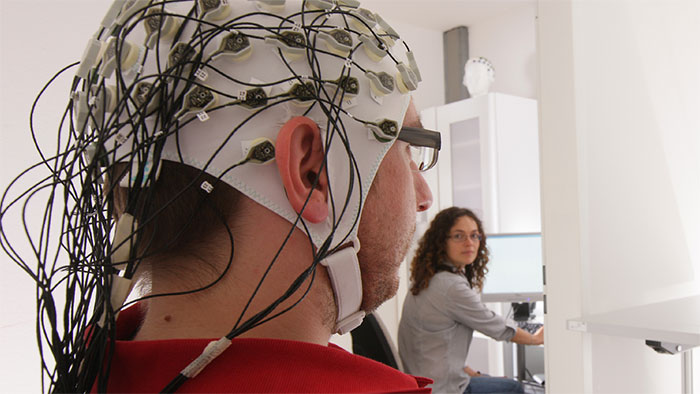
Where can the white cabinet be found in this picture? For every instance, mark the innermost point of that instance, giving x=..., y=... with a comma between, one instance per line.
x=489, y=161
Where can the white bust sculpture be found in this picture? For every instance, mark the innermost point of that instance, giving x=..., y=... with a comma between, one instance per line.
x=478, y=76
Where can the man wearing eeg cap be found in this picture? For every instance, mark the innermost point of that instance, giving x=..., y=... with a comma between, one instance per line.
x=257, y=157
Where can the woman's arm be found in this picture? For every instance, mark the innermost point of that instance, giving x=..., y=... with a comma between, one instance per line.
x=525, y=338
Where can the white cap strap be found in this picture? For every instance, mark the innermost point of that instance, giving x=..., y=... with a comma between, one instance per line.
x=344, y=271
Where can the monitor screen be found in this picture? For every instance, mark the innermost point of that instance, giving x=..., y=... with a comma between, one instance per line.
x=515, y=268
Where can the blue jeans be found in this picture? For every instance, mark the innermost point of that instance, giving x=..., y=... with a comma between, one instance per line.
x=490, y=384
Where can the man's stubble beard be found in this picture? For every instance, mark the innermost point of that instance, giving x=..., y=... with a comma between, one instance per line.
x=380, y=281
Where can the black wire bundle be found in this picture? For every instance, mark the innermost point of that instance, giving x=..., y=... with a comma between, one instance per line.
x=74, y=247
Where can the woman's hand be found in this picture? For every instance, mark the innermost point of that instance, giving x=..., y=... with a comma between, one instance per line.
x=539, y=336
x=525, y=338
x=471, y=372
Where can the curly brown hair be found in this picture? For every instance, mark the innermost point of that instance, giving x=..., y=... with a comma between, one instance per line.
x=431, y=254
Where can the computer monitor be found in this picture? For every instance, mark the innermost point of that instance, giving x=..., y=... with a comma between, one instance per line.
x=515, y=268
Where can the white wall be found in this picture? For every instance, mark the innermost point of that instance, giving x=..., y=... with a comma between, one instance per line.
x=509, y=42
x=620, y=153
x=427, y=46
x=37, y=38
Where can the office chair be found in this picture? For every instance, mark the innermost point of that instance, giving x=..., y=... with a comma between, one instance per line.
x=372, y=340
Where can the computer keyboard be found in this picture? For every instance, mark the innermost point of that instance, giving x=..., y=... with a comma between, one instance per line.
x=528, y=326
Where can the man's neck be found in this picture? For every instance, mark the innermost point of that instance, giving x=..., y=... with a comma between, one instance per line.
x=213, y=313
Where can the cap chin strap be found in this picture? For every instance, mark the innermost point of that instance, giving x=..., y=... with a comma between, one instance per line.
x=344, y=271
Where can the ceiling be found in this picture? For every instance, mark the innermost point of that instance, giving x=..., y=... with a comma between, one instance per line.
x=442, y=15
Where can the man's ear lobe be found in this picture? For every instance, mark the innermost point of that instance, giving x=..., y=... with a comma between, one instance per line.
x=299, y=156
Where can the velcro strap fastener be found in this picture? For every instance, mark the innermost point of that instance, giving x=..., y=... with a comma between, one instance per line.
x=344, y=272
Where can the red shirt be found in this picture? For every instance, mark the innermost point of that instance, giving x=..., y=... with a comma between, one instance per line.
x=249, y=365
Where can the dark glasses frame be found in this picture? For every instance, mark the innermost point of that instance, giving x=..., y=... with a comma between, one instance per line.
x=419, y=137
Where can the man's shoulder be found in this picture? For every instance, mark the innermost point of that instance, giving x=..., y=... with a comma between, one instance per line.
x=269, y=365
x=314, y=368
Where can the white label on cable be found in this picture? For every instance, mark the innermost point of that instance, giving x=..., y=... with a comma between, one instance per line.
x=202, y=116
x=207, y=187
x=201, y=74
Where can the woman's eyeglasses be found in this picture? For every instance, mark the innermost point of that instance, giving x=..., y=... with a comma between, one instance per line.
x=461, y=237
x=425, y=145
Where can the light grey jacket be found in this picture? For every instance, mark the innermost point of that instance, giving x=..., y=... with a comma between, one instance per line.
x=437, y=326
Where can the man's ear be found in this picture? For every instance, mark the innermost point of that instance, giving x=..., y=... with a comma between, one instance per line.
x=299, y=156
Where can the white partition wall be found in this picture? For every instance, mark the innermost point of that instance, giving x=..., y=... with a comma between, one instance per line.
x=620, y=153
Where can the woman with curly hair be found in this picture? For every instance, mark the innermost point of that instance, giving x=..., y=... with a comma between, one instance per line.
x=444, y=307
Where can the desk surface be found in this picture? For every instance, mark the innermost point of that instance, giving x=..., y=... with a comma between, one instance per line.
x=512, y=297
x=676, y=321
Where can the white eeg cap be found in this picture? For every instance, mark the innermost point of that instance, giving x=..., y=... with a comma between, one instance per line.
x=223, y=130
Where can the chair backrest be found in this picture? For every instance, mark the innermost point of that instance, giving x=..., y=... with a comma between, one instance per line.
x=372, y=340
